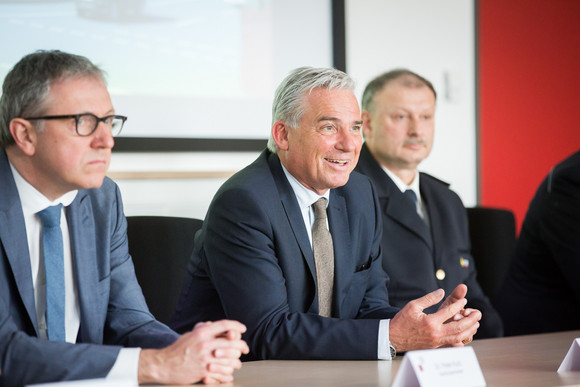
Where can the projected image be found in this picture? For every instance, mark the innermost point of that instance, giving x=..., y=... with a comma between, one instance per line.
x=179, y=68
x=110, y=9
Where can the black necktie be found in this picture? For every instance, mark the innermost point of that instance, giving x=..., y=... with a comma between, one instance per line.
x=412, y=196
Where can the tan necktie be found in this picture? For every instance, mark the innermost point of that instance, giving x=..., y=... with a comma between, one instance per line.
x=323, y=257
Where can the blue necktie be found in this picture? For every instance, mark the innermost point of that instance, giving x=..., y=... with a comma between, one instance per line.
x=52, y=252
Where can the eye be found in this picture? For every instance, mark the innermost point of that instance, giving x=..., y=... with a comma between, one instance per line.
x=108, y=120
x=356, y=128
x=328, y=129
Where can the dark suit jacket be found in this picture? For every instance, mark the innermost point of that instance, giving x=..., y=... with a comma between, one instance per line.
x=253, y=262
x=413, y=252
x=541, y=292
x=112, y=307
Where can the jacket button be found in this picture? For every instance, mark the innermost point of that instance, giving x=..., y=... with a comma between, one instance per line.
x=440, y=274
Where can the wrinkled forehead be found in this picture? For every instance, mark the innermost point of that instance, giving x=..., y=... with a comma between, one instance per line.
x=76, y=90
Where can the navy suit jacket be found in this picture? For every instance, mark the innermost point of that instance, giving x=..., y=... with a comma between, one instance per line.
x=253, y=262
x=541, y=292
x=112, y=308
x=413, y=252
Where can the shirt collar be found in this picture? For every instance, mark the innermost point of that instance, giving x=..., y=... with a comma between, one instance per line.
x=414, y=186
x=305, y=196
x=32, y=200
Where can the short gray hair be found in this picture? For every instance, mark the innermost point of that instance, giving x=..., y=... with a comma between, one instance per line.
x=288, y=105
x=409, y=79
x=27, y=85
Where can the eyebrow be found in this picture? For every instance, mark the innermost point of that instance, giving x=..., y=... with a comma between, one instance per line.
x=325, y=118
x=110, y=112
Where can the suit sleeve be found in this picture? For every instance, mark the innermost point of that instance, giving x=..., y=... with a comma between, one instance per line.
x=490, y=324
x=129, y=322
x=375, y=301
x=26, y=359
x=559, y=224
x=242, y=250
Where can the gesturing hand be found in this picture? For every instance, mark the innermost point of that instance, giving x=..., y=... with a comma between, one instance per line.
x=451, y=325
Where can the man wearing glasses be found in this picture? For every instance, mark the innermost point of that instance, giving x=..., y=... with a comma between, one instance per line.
x=70, y=305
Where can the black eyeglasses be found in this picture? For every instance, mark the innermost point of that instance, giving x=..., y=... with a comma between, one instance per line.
x=87, y=123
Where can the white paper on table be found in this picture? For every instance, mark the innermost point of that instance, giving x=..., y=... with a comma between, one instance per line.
x=90, y=383
x=572, y=360
x=443, y=367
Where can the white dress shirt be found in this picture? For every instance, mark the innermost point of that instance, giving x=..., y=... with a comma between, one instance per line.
x=306, y=198
x=32, y=201
x=414, y=186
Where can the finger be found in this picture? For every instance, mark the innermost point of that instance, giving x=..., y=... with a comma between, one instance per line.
x=233, y=335
x=234, y=363
x=449, y=311
x=239, y=345
x=462, y=330
x=223, y=326
x=227, y=353
x=220, y=328
x=218, y=378
x=209, y=380
x=459, y=292
x=429, y=299
x=468, y=336
x=220, y=373
x=470, y=312
x=467, y=323
x=463, y=313
x=200, y=324
x=221, y=369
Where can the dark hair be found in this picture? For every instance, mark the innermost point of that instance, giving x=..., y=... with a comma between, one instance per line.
x=407, y=77
x=27, y=85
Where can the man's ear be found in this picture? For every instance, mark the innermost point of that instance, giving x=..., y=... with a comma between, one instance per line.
x=367, y=128
x=24, y=135
x=280, y=134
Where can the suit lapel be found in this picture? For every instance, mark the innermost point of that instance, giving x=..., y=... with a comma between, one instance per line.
x=393, y=202
x=342, y=243
x=401, y=210
x=293, y=213
x=84, y=255
x=13, y=238
x=434, y=213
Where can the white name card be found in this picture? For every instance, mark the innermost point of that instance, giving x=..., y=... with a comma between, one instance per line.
x=90, y=383
x=572, y=360
x=440, y=367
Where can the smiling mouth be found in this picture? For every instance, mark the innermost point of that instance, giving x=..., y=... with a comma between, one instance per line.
x=335, y=161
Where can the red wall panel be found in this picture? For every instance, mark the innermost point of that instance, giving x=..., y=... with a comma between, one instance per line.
x=529, y=102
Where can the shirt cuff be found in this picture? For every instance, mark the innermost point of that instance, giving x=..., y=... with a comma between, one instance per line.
x=384, y=350
x=126, y=366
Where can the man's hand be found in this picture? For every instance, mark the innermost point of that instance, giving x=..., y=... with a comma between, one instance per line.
x=451, y=325
x=209, y=353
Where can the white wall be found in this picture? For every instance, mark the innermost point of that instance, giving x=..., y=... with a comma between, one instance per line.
x=174, y=197
x=433, y=38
